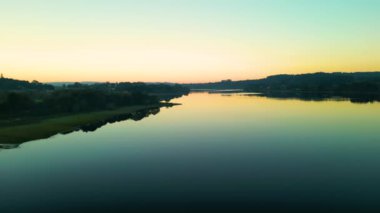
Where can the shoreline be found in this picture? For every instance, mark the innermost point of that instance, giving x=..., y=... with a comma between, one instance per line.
x=48, y=127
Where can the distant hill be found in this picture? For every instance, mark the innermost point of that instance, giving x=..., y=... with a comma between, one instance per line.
x=68, y=83
x=320, y=82
x=60, y=84
x=12, y=84
x=221, y=85
x=314, y=82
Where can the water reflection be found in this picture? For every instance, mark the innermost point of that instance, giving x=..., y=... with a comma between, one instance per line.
x=214, y=153
x=8, y=146
x=135, y=116
x=91, y=127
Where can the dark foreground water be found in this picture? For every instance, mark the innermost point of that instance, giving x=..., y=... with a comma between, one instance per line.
x=214, y=153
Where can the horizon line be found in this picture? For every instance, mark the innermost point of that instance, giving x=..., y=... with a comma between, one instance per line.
x=204, y=82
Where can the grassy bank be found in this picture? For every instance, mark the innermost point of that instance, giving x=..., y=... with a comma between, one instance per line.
x=47, y=127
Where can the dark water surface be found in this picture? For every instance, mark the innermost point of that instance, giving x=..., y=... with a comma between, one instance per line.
x=214, y=153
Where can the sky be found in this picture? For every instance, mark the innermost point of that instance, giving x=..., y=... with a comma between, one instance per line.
x=185, y=40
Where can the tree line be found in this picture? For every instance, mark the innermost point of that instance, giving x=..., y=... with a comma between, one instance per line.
x=7, y=84
x=320, y=82
x=22, y=98
x=359, y=82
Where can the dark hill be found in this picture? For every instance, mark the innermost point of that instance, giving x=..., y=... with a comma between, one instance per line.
x=313, y=82
x=12, y=84
x=319, y=82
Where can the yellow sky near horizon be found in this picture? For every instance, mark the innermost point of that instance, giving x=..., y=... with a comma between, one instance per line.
x=185, y=41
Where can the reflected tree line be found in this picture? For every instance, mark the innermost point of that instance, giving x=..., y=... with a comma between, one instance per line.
x=135, y=116
x=358, y=98
x=91, y=127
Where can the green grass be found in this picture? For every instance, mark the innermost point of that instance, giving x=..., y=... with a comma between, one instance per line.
x=47, y=127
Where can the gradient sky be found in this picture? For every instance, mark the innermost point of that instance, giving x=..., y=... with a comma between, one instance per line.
x=185, y=40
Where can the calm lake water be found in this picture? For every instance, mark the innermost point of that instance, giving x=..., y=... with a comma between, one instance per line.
x=213, y=153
